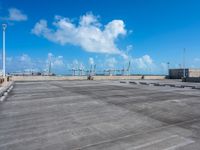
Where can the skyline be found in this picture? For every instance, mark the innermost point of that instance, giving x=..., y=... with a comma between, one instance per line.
x=81, y=33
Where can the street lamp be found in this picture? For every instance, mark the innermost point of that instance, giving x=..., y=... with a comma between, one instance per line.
x=4, y=26
x=184, y=69
x=168, y=63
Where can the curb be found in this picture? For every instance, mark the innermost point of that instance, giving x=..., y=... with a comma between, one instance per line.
x=5, y=90
x=163, y=85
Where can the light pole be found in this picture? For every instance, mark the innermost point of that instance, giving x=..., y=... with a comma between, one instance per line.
x=49, y=67
x=168, y=63
x=4, y=49
x=184, y=70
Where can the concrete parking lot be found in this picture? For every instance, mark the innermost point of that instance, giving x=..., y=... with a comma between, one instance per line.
x=99, y=115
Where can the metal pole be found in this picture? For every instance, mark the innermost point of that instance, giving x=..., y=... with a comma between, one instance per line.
x=4, y=49
x=168, y=63
x=50, y=67
x=184, y=71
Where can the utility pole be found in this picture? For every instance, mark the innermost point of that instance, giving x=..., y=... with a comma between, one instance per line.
x=184, y=71
x=49, y=67
x=4, y=49
x=128, y=69
x=94, y=70
x=168, y=63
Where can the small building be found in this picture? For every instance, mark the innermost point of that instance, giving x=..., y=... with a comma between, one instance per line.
x=179, y=73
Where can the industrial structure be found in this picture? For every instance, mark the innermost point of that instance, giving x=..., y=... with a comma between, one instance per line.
x=180, y=73
x=107, y=72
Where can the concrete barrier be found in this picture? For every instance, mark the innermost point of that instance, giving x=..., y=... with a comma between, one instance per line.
x=123, y=82
x=132, y=82
x=192, y=79
x=143, y=83
x=179, y=86
x=154, y=77
x=188, y=86
x=197, y=87
x=40, y=78
x=5, y=90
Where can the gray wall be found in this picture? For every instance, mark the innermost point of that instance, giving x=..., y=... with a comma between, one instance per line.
x=178, y=73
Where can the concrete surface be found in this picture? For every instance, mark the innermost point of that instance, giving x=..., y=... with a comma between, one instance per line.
x=99, y=115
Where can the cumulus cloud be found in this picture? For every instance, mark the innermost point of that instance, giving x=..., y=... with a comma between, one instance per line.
x=91, y=61
x=89, y=33
x=26, y=63
x=20, y=63
x=15, y=15
x=129, y=48
x=59, y=61
x=56, y=61
x=76, y=64
x=111, y=62
x=25, y=58
x=144, y=62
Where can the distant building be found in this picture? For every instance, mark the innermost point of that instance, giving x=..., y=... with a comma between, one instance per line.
x=179, y=73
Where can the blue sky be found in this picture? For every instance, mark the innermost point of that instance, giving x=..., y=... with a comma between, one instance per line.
x=78, y=33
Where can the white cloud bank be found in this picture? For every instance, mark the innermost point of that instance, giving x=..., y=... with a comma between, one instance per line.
x=15, y=15
x=89, y=34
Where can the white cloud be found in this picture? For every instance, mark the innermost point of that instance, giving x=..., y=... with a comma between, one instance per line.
x=89, y=34
x=145, y=62
x=15, y=15
x=25, y=63
x=195, y=63
x=50, y=55
x=76, y=65
x=111, y=62
x=89, y=19
x=129, y=48
x=8, y=59
x=75, y=62
x=20, y=63
x=91, y=61
x=81, y=66
x=197, y=59
x=164, y=68
x=56, y=61
x=25, y=58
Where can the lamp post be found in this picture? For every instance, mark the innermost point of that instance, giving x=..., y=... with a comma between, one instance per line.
x=184, y=69
x=4, y=49
x=168, y=63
